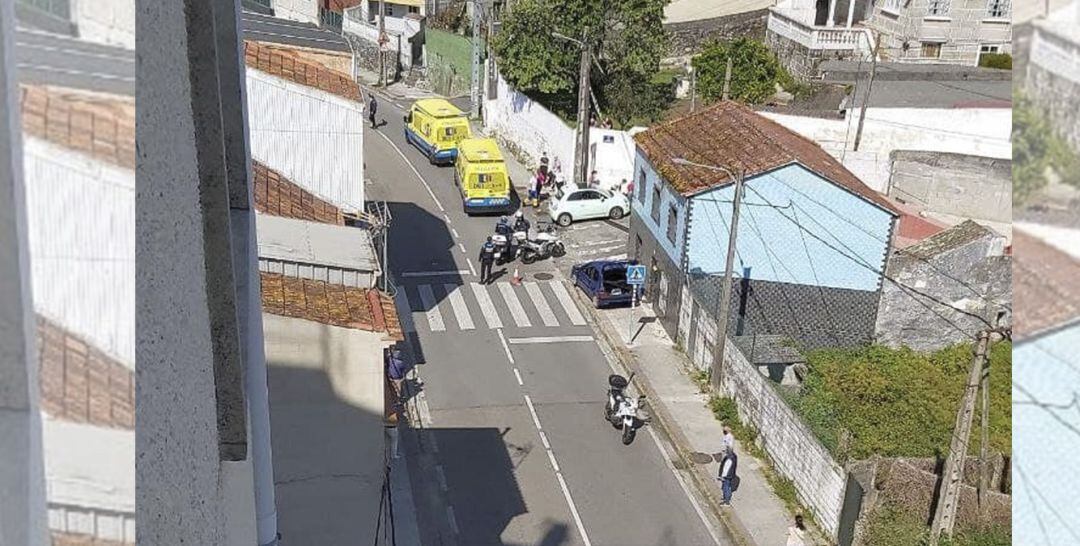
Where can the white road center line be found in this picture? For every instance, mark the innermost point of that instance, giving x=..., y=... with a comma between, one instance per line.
x=532, y=410
x=76, y=52
x=516, y=310
x=454, y=231
x=553, y=339
x=440, y=476
x=472, y=270
x=452, y=520
x=502, y=338
x=486, y=306
x=416, y=172
x=602, y=249
x=443, y=273
x=573, y=509
x=434, y=317
x=518, y=376
x=73, y=72
x=462, y=247
x=541, y=304
x=567, y=303
x=461, y=311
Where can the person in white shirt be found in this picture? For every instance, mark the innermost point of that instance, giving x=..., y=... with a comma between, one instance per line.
x=796, y=534
x=729, y=440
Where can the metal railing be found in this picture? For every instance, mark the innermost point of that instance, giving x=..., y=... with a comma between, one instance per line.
x=820, y=37
x=330, y=19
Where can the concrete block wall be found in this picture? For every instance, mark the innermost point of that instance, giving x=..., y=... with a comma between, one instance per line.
x=109, y=22
x=688, y=37
x=1053, y=81
x=962, y=185
x=793, y=449
x=799, y=60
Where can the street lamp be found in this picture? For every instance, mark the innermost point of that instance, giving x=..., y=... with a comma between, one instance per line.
x=738, y=174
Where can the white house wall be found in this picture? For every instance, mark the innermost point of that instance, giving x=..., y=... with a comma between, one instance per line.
x=312, y=137
x=973, y=131
x=110, y=22
x=528, y=128
x=81, y=217
x=306, y=11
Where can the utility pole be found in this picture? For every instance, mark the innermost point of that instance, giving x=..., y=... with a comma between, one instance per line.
x=382, y=39
x=953, y=475
x=581, y=151
x=475, y=95
x=720, y=342
x=693, y=88
x=869, y=88
x=727, y=80
x=984, y=446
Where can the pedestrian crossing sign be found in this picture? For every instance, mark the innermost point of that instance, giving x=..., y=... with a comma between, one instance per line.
x=635, y=274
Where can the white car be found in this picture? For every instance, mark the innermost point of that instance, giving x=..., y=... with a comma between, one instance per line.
x=586, y=203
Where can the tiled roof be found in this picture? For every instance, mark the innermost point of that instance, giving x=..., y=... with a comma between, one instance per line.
x=1045, y=292
x=341, y=5
x=333, y=304
x=288, y=65
x=80, y=383
x=102, y=126
x=731, y=132
x=278, y=196
x=73, y=539
x=955, y=237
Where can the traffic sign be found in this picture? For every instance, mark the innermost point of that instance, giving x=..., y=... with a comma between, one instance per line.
x=635, y=274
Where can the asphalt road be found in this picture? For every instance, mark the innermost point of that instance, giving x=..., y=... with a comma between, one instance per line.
x=516, y=450
x=50, y=59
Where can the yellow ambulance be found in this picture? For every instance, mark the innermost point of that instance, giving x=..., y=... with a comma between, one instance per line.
x=481, y=176
x=435, y=127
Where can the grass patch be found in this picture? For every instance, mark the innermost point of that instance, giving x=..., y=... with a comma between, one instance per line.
x=701, y=379
x=891, y=527
x=1001, y=61
x=896, y=402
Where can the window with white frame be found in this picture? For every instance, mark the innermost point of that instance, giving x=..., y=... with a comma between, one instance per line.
x=938, y=8
x=990, y=48
x=892, y=5
x=998, y=9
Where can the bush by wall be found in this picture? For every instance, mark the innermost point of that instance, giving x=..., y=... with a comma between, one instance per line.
x=896, y=402
x=996, y=60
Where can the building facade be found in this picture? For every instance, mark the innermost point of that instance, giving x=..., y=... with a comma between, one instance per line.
x=942, y=31
x=812, y=239
x=803, y=33
x=1053, y=70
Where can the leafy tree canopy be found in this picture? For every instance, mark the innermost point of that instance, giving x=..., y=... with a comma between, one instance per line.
x=627, y=36
x=1037, y=150
x=755, y=71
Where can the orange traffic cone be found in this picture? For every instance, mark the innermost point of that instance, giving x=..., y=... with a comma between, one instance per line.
x=516, y=279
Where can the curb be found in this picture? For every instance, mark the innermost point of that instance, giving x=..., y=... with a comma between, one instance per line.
x=701, y=478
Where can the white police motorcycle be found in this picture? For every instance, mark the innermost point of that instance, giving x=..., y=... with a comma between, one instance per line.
x=622, y=410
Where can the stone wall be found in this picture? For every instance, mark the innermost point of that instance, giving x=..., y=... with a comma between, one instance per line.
x=967, y=186
x=687, y=38
x=793, y=449
x=1053, y=81
x=800, y=60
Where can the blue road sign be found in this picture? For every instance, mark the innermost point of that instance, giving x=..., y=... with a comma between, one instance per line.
x=635, y=274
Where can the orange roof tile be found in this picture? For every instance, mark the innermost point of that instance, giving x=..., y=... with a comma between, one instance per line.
x=102, y=126
x=286, y=64
x=332, y=304
x=732, y=132
x=79, y=383
x=74, y=539
x=278, y=196
x=1045, y=292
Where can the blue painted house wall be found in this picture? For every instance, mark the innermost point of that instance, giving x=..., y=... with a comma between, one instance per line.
x=1045, y=370
x=852, y=231
x=668, y=197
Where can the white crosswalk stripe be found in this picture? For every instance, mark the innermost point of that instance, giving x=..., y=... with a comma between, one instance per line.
x=541, y=304
x=567, y=303
x=434, y=317
x=516, y=310
x=486, y=307
x=461, y=311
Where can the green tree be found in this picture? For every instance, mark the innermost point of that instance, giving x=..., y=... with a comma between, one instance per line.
x=1037, y=151
x=755, y=71
x=627, y=96
x=627, y=36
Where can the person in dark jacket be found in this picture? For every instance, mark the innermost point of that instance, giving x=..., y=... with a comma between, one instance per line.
x=728, y=475
x=373, y=106
x=396, y=369
x=521, y=223
x=487, y=258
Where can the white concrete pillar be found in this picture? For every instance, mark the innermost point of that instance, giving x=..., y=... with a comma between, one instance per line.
x=832, y=13
x=850, y=12
x=22, y=463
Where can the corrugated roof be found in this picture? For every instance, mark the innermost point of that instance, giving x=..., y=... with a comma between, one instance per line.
x=1045, y=291
x=288, y=65
x=332, y=304
x=732, y=133
x=102, y=126
x=278, y=196
x=79, y=383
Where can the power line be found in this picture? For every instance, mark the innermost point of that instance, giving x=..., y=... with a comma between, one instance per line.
x=1027, y=489
x=1050, y=506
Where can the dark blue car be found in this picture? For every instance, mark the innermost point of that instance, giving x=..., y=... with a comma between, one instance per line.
x=604, y=281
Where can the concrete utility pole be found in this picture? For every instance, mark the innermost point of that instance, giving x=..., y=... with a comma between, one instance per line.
x=727, y=80
x=953, y=474
x=869, y=88
x=693, y=88
x=476, y=80
x=581, y=148
x=737, y=174
x=382, y=40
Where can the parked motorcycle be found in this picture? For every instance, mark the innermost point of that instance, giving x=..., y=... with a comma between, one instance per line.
x=544, y=245
x=501, y=240
x=621, y=410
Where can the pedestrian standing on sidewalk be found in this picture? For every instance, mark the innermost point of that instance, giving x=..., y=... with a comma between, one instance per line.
x=594, y=180
x=729, y=440
x=538, y=186
x=796, y=534
x=373, y=106
x=487, y=257
x=729, y=479
x=396, y=370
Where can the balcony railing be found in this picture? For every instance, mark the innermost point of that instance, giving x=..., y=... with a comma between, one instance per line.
x=820, y=37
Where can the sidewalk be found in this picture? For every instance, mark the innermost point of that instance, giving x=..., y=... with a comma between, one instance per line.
x=756, y=515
